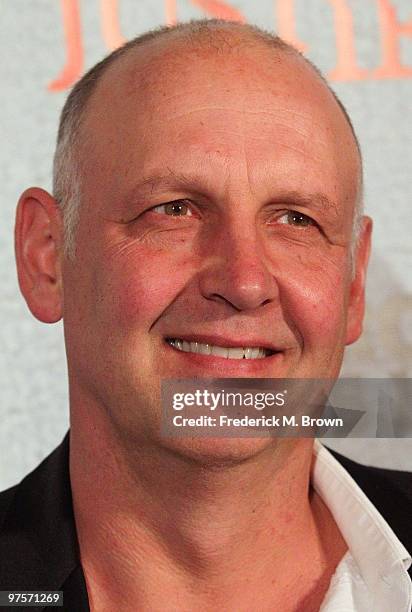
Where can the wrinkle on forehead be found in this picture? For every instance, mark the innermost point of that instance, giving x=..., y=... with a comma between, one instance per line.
x=169, y=71
x=159, y=66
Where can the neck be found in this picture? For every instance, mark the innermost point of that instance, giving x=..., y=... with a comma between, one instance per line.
x=201, y=530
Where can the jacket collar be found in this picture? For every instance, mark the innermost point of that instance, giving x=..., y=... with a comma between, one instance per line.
x=38, y=543
x=38, y=540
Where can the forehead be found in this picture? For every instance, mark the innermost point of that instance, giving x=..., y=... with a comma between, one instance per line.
x=161, y=70
x=174, y=104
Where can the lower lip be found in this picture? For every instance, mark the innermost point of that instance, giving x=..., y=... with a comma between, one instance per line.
x=214, y=365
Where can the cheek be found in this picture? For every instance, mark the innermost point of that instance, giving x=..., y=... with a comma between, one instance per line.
x=138, y=287
x=315, y=299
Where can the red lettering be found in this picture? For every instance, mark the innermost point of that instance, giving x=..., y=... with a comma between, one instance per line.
x=215, y=8
x=286, y=23
x=170, y=12
x=346, y=68
x=391, y=31
x=74, y=47
x=111, y=33
x=220, y=10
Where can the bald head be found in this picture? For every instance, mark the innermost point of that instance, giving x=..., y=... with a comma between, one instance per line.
x=135, y=68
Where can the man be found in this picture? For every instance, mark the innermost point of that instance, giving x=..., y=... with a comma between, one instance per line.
x=207, y=196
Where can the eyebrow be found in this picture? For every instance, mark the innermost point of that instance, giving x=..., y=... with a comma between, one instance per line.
x=174, y=180
x=316, y=200
x=163, y=181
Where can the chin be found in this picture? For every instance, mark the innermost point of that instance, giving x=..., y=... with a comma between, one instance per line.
x=217, y=452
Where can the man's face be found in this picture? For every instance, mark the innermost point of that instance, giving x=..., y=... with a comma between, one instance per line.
x=217, y=208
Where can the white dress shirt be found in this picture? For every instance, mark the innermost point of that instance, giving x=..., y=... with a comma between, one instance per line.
x=372, y=576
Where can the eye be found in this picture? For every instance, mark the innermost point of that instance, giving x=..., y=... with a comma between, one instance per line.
x=177, y=208
x=298, y=219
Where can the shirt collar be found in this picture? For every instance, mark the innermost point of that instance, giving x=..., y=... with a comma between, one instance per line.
x=41, y=543
x=382, y=559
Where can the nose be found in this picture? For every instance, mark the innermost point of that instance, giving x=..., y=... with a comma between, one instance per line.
x=236, y=272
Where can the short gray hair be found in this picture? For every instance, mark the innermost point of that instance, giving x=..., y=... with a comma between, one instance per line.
x=66, y=171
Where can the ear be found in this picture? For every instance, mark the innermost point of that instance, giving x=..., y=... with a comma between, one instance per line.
x=37, y=240
x=356, y=306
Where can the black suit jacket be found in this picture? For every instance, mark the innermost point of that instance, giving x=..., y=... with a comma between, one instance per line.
x=38, y=541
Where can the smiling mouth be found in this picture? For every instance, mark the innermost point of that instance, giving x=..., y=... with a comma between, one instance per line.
x=236, y=352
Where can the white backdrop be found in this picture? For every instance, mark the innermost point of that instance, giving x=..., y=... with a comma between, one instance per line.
x=365, y=46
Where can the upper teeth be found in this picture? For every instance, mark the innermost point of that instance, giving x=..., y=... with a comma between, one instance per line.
x=246, y=352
